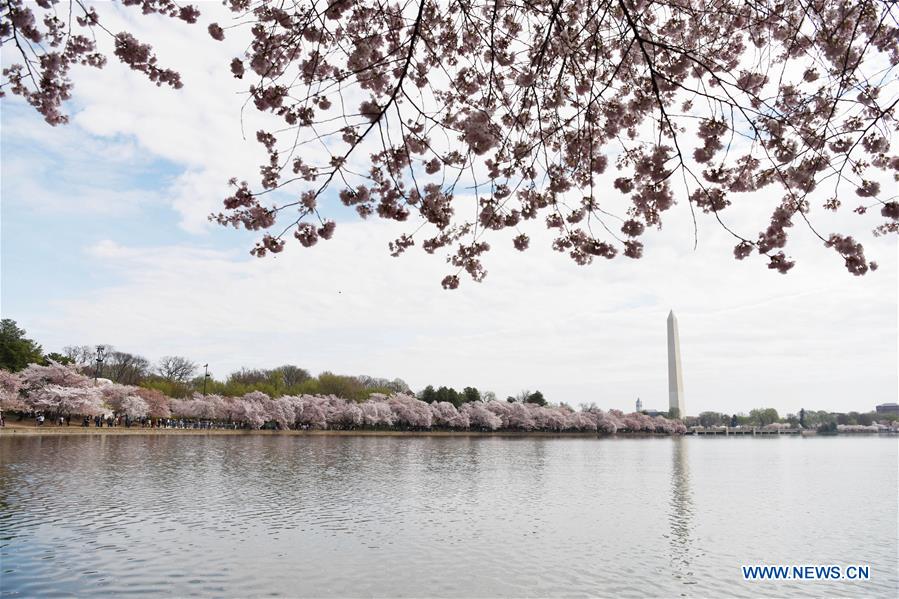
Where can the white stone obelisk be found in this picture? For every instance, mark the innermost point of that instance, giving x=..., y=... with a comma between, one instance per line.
x=675, y=377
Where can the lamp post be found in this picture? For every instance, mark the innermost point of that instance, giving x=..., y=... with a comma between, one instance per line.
x=100, y=355
x=205, y=377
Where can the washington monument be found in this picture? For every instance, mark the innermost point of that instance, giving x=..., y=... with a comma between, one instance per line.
x=675, y=377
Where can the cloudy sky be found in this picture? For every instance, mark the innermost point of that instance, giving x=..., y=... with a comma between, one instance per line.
x=105, y=240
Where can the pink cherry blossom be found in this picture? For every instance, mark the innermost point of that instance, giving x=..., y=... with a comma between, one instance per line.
x=527, y=107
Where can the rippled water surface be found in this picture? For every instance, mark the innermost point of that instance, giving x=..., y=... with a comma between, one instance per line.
x=420, y=516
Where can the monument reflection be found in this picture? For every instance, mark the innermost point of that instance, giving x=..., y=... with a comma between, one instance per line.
x=680, y=513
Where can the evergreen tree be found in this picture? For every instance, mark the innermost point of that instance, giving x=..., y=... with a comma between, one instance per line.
x=470, y=394
x=537, y=398
x=428, y=394
x=16, y=350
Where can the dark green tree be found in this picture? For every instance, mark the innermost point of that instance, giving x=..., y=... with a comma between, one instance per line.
x=733, y=421
x=470, y=394
x=802, y=417
x=16, y=350
x=828, y=428
x=537, y=398
x=56, y=357
x=428, y=394
x=449, y=394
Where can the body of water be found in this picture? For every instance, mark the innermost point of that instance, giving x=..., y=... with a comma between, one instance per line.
x=430, y=516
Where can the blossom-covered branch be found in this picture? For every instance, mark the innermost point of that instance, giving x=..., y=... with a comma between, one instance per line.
x=592, y=116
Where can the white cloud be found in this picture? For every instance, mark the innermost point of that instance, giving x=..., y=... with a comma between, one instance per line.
x=815, y=338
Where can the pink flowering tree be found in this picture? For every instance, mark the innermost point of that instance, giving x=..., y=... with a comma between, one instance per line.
x=520, y=416
x=114, y=395
x=313, y=412
x=376, y=413
x=501, y=410
x=134, y=406
x=35, y=376
x=182, y=408
x=480, y=417
x=233, y=409
x=10, y=383
x=410, y=412
x=292, y=405
x=591, y=118
x=158, y=404
x=280, y=412
x=445, y=415
x=57, y=399
x=583, y=421
x=616, y=418
x=213, y=406
x=59, y=389
x=551, y=418
x=249, y=412
x=346, y=415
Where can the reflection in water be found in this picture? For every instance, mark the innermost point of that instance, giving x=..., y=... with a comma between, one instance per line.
x=680, y=515
x=319, y=516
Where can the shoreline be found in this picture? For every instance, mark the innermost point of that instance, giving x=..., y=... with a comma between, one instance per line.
x=13, y=430
x=30, y=430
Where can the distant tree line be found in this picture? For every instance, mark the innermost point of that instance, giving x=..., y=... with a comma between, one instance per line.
x=180, y=377
x=62, y=392
x=807, y=419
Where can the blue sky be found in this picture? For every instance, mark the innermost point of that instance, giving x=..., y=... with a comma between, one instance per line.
x=105, y=240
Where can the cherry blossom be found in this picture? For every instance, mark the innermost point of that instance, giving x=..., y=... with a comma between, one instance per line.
x=157, y=402
x=10, y=383
x=480, y=417
x=444, y=414
x=593, y=119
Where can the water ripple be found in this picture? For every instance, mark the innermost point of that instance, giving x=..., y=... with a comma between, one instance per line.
x=450, y=517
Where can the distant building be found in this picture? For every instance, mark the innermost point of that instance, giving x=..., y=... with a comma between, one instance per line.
x=655, y=413
x=888, y=408
x=639, y=405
